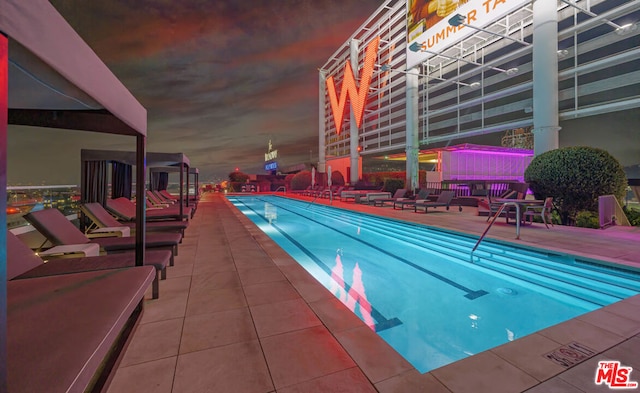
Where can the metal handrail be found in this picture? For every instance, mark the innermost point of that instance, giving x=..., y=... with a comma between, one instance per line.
x=487, y=229
x=284, y=190
x=505, y=204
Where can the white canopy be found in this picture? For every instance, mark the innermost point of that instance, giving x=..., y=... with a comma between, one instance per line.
x=55, y=78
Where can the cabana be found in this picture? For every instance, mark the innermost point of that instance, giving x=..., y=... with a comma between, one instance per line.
x=49, y=77
x=93, y=187
x=159, y=181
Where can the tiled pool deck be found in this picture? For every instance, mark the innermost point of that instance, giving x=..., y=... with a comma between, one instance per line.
x=237, y=314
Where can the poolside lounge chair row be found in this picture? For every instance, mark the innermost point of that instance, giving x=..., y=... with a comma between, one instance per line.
x=420, y=203
x=89, y=305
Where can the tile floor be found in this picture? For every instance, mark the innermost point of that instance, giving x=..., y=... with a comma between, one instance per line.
x=237, y=314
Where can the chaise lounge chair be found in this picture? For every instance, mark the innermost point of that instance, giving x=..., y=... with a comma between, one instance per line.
x=24, y=263
x=444, y=199
x=59, y=231
x=82, y=321
x=103, y=219
x=398, y=195
x=422, y=196
x=126, y=210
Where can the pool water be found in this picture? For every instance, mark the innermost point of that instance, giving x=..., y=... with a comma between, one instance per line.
x=420, y=290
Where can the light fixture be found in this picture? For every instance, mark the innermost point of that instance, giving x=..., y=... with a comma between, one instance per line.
x=474, y=85
x=458, y=20
x=562, y=53
x=511, y=71
x=415, y=47
x=626, y=29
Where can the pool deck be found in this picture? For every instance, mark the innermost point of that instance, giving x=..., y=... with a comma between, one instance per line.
x=238, y=314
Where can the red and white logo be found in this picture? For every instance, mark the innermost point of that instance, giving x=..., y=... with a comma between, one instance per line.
x=617, y=376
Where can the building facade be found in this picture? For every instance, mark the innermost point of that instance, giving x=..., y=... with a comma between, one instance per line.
x=415, y=75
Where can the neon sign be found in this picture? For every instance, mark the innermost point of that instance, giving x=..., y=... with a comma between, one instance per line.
x=270, y=154
x=357, y=96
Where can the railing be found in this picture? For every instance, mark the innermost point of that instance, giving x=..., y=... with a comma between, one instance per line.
x=493, y=219
x=283, y=188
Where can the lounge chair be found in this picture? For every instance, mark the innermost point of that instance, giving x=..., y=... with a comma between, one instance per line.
x=444, y=200
x=126, y=210
x=24, y=263
x=66, y=332
x=398, y=195
x=543, y=212
x=103, y=219
x=59, y=231
x=155, y=201
x=422, y=196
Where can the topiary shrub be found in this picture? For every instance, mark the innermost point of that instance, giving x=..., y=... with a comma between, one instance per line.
x=575, y=177
x=587, y=219
x=337, y=179
x=392, y=185
x=238, y=177
x=287, y=180
x=301, y=180
x=633, y=215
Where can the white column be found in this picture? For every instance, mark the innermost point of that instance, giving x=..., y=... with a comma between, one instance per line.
x=353, y=128
x=412, y=140
x=545, y=76
x=322, y=153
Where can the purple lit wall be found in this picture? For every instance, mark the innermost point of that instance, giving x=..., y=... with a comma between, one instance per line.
x=484, y=165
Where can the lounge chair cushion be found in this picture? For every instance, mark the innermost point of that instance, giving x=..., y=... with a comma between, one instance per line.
x=60, y=328
x=102, y=218
x=58, y=231
x=152, y=240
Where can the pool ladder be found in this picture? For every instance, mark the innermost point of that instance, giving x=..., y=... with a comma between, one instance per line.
x=487, y=230
x=283, y=188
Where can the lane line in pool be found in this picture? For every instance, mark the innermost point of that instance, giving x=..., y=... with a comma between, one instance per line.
x=469, y=293
x=383, y=323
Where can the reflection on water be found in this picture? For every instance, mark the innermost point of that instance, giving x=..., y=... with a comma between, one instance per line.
x=270, y=212
x=355, y=297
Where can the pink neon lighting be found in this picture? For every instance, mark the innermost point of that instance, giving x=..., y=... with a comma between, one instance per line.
x=357, y=96
x=355, y=299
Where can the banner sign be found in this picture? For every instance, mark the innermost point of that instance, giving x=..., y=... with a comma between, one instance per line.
x=429, y=31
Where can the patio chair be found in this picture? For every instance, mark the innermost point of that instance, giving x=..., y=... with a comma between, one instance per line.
x=398, y=195
x=103, y=219
x=55, y=227
x=444, y=200
x=495, y=206
x=422, y=196
x=23, y=263
x=543, y=212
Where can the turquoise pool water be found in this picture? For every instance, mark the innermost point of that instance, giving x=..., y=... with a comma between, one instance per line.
x=417, y=287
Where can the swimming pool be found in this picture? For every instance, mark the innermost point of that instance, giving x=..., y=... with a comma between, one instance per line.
x=417, y=288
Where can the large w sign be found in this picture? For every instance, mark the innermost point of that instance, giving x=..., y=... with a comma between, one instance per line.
x=357, y=97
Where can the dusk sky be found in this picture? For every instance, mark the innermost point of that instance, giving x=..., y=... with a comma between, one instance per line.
x=219, y=79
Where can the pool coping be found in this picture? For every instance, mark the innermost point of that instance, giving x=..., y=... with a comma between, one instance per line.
x=520, y=364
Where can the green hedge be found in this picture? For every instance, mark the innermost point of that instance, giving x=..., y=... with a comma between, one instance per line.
x=301, y=180
x=575, y=177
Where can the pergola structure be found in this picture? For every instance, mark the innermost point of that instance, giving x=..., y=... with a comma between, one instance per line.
x=49, y=77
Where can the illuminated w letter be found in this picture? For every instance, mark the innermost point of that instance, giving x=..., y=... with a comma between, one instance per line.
x=357, y=96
